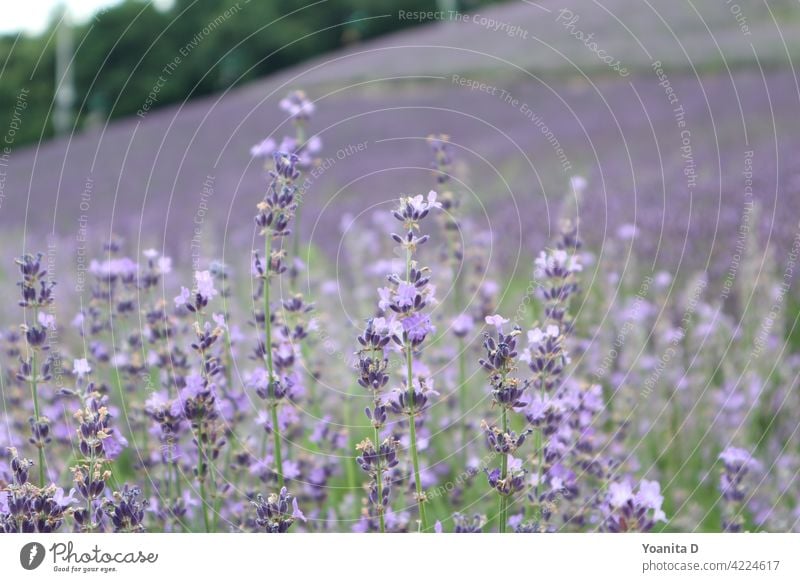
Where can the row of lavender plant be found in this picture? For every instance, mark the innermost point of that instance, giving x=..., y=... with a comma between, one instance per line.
x=230, y=413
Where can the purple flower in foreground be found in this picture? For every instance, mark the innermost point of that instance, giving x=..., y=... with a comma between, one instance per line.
x=462, y=325
x=183, y=297
x=263, y=149
x=126, y=510
x=737, y=464
x=496, y=320
x=418, y=326
x=472, y=524
x=298, y=105
x=619, y=494
x=736, y=459
x=627, y=511
x=405, y=294
x=205, y=284
x=81, y=367
x=114, y=444
x=277, y=513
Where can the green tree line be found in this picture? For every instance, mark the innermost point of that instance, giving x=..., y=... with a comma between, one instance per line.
x=120, y=53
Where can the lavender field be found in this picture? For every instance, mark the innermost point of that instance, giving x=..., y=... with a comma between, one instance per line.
x=526, y=269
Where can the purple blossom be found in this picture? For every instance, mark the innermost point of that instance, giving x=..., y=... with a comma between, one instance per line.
x=81, y=367
x=496, y=320
x=405, y=294
x=418, y=326
x=183, y=297
x=264, y=148
x=462, y=325
x=619, y=493
x=114, y=444
x=205, y=284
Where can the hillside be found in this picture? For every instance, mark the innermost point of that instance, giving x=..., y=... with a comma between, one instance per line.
x=544, y=91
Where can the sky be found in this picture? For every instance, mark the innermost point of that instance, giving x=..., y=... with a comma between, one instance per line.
x=32, y=16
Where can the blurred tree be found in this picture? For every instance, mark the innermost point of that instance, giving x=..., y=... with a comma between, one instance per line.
x=121, y=53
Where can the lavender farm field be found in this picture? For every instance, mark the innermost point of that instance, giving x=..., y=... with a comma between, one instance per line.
x=483, y=275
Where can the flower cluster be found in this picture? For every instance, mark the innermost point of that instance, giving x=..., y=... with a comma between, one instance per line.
x=99, y=444
x=626, y=511
x=556, y=270
x=36, y=291
x=500, y=362
x=300, y=109
x=277, y=513
x=126, y=510
x=736, y=465
x=218, y=390
x=26, y=508
x=377, y=462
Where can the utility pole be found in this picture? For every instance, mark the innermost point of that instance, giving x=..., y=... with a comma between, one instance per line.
x=447, y=6
x=64, y=81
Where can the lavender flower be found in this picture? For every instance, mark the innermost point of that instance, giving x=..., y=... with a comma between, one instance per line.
x=273, y=218
x=37, y=294
x=376, y=462
x=26, y=508
x=126, y=510
x=507, y=391
x=406, y=298
x=464, y=524
x=99, y=443
x=298, y=106
x=736, y=464
x=629, y=512
x=277, y=513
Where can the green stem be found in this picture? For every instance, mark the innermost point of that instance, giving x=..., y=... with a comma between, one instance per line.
x=412, y=419
x=218, y=499
x=412, y=428
x=178, y=494
x=380, y=485
x=503, y=475
x=463, y=394
x=540, y=452
x=201, y=477
x=89, y=509
x=276, y=441
x=276, y=437
x=35, y=393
